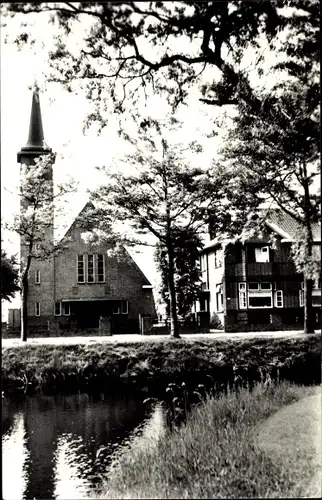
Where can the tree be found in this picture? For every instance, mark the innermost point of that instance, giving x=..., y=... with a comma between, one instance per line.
x=192, y=42
x=275, y=147
x=9, y=276
x=35, y=222
x=164, y=197
x=187, y=277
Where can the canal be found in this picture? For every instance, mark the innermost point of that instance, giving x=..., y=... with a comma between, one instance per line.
x=64, y=446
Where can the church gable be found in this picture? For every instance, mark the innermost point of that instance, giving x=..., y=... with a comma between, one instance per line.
x=118, y=262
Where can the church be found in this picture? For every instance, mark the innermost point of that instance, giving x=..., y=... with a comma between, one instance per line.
x=85, y=289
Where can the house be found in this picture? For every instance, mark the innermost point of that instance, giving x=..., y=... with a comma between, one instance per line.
x=86, y=287
x=255, y=285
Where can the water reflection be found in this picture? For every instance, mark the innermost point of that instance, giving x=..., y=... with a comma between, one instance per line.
x=61, y=447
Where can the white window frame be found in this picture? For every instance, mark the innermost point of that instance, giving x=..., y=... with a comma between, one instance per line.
x=124, y=310
x=37, y=277
x=301, y=298
x=259, y=292
x=218, y=257
x=219, y=294
x=66, y=304
x=279, y=298
x=259, y=254
x=87, y=268
x=37, y=309
x=55, y=313
x=77, y=268
x=104, y=277
x=242, y=295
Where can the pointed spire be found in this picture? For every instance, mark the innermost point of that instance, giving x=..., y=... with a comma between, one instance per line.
x=36, y=134
x=36, y=143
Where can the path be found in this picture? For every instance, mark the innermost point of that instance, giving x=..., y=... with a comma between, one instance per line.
x=147, y=338
x=293, y=435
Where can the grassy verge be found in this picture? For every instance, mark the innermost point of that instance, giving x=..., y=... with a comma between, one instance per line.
x=215, y=454
x=152, y=365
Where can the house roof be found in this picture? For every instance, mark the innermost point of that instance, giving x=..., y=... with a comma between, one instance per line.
x=286, y=224
x=282, y=224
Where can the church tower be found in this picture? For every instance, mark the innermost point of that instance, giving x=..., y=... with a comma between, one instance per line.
x=41, y=273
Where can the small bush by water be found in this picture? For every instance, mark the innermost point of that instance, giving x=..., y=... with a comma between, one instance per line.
x=214, y=454
x=151, y=366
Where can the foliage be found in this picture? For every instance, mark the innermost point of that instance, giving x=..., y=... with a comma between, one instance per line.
x=105, y=47
x=216, y=454
x=35, y=221
x=187, y=245
x=9, y=276
x=152, y=365
x=274, y=147
x=165, y=197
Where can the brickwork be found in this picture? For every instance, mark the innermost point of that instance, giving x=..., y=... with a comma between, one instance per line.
x=124, y=281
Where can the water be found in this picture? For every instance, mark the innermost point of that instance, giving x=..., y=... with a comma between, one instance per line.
x=64, y=446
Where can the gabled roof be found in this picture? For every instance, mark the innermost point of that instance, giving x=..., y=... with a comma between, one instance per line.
x=282, y=224
x=287, y=227
x=79, y=219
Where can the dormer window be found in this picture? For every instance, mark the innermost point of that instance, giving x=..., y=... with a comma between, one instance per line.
x=262, y=254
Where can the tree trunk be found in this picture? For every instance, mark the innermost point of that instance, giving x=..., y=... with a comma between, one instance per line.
x=24, y=309
x=308, y=284
x=174, y=326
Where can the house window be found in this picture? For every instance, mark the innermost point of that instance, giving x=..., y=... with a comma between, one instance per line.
x=57, y=308
x=218, y=257
x=37, y=309
x=116, y=308
x=81, y=269
x=301, y=297
x=125, y=307
x=37, y=277
x=219, y=298
x=203, y=304
x=279, y=298
x=259, y=295
x=100, y=268
x=66, y=309
x=242, y=296
x=203, y=262
x=262, y=254
x=90, y=269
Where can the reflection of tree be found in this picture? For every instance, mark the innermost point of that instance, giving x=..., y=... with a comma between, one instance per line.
x=101, y=425
x=9, y=409
x=41, y=439
x=89, y=431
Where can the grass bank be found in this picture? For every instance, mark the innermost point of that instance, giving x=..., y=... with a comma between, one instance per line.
x=150, y=366
x=216, y=454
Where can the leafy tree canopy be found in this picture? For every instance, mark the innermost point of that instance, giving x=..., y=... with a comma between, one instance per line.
x=126, y=50
x=9, y=276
